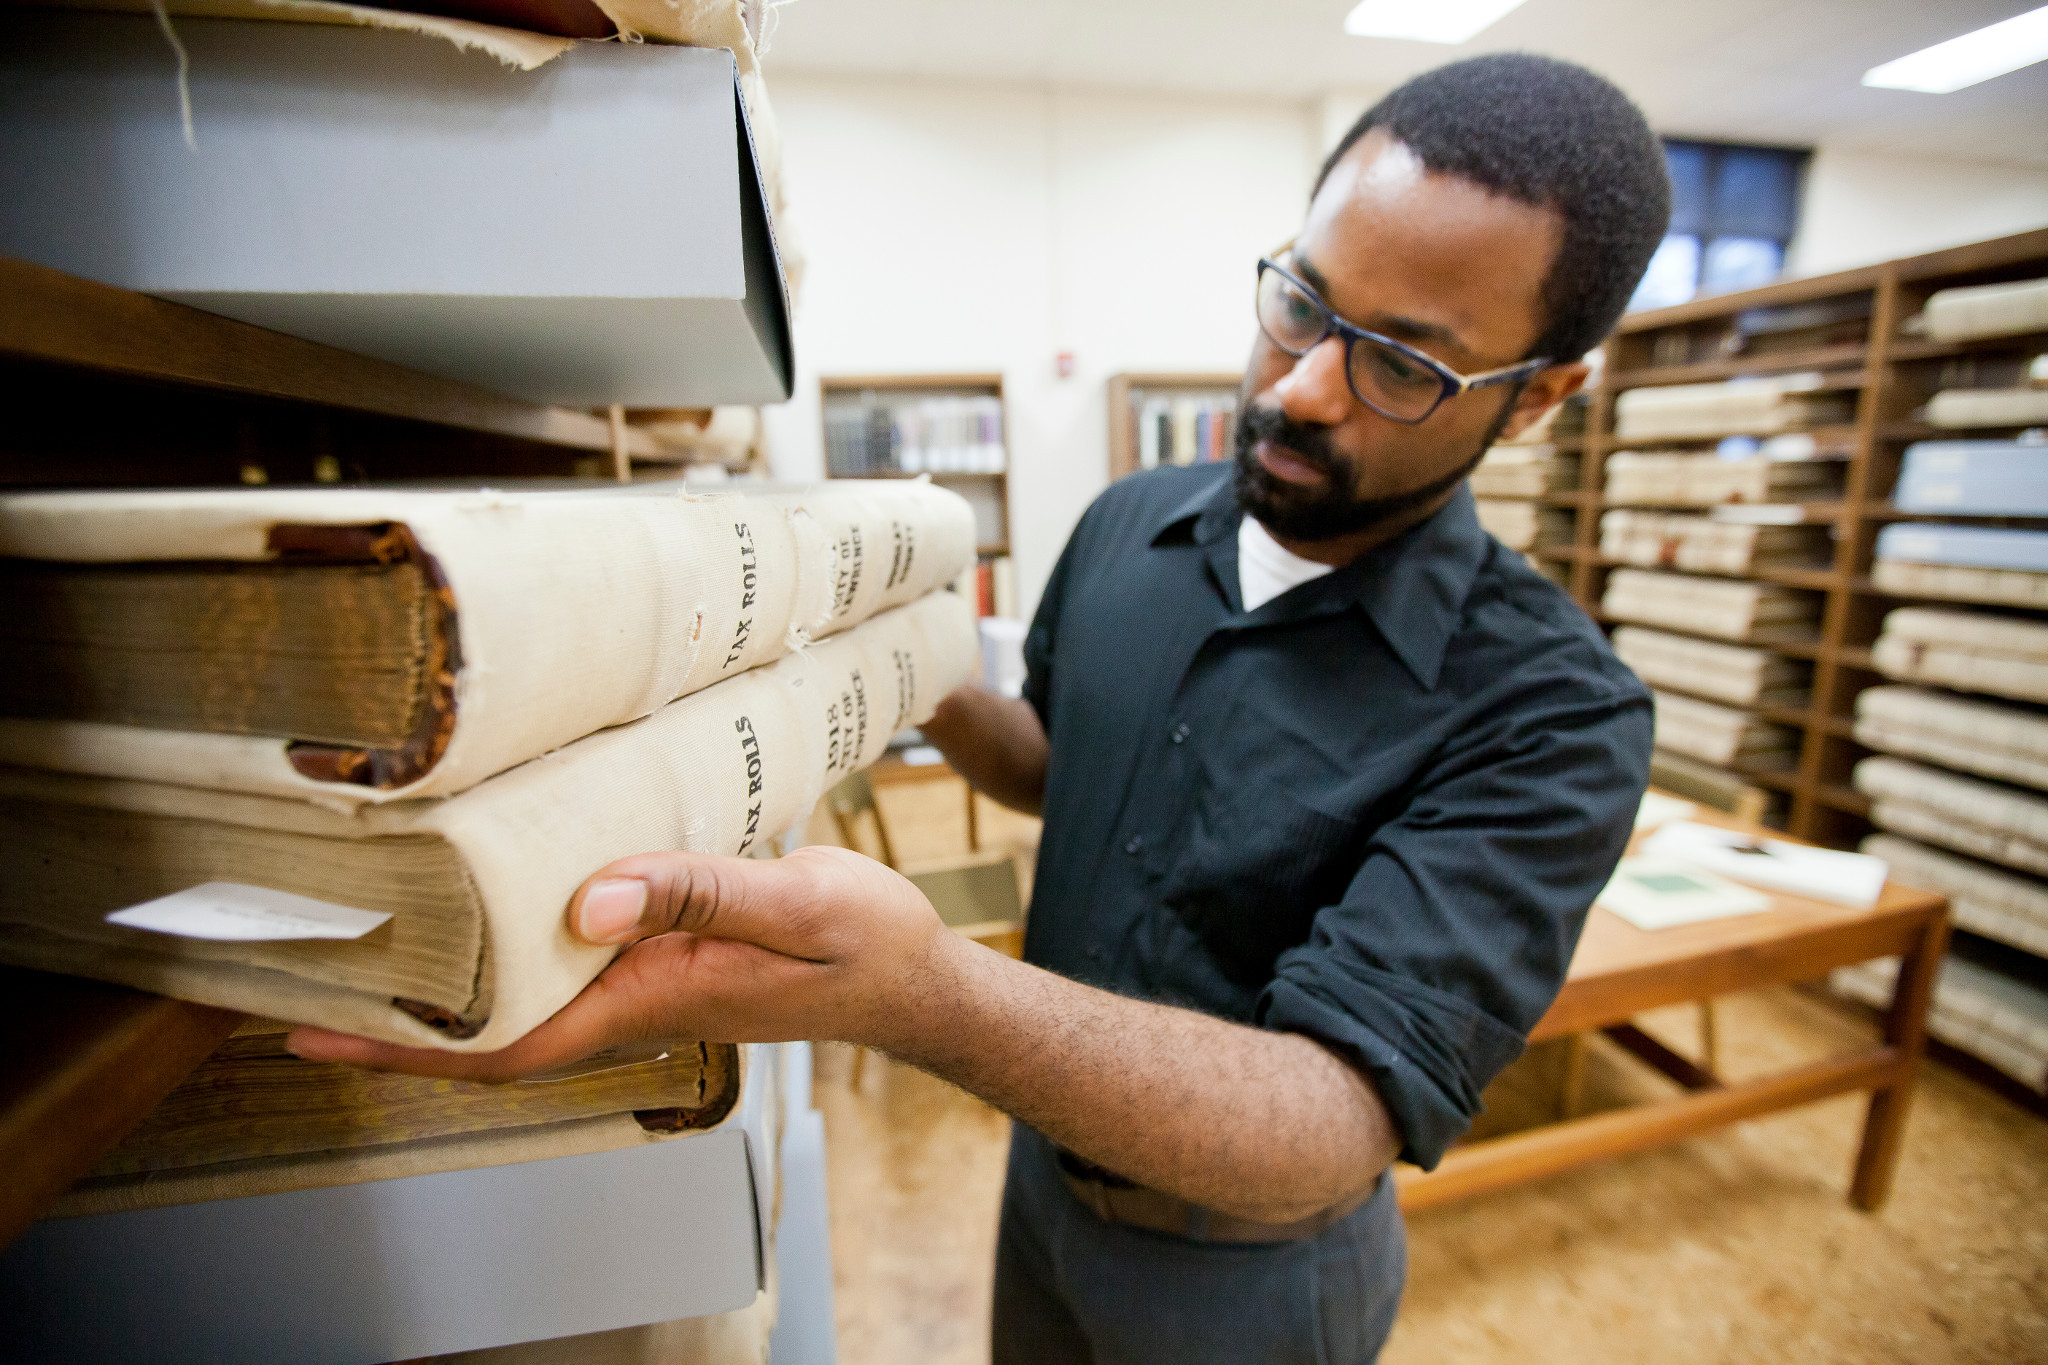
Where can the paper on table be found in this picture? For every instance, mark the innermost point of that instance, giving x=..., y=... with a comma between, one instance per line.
x=1658, y=809
x=1658, y=893
x=1823, y=873
x=233, y=913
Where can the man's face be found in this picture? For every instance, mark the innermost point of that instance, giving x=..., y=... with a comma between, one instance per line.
x=1428, y=259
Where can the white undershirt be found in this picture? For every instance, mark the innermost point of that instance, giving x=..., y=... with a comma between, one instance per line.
x=1266, y=568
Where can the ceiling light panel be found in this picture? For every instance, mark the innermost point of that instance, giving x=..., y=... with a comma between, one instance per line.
x=2019, y=41
x=1425, y=21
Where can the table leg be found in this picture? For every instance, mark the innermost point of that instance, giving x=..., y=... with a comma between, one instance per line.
x=1905, y=1029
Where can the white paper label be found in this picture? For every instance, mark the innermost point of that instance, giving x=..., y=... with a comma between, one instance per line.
x=229, y=912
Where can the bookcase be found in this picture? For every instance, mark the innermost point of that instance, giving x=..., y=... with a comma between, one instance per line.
x=1170, y=418
x=1868, y=367
x=950, y=426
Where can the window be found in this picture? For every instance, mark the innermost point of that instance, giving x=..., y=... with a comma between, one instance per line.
x=1733, y=210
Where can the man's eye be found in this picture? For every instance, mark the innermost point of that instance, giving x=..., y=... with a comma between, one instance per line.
x=1300, y=310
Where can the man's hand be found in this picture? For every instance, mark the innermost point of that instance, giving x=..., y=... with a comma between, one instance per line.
x=996, y=743
x=823, y=943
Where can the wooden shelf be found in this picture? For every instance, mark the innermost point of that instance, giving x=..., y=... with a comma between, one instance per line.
x=1783, y=362
x=1832, y=434
x=1881, y=511
x=855, y=383
x=1913, y=348
x=52, y=318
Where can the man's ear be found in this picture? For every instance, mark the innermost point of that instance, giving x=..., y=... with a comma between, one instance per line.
x=1542, y=393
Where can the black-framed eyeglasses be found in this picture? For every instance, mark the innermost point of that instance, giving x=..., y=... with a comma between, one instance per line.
x=1393, y=379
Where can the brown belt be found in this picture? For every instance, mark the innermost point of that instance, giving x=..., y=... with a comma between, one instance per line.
x=1114, y=1199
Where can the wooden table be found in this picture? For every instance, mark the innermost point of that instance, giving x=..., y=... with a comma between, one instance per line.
x=1620, y=971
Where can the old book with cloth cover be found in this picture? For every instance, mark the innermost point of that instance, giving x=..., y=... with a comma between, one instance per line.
x=379, y=644
x=475, y=951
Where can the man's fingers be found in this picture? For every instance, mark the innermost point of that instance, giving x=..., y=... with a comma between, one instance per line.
x=581, y=1027
x=746, y=899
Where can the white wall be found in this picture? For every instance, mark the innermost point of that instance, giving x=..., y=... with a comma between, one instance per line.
x=959, y=228
x=1860, y=207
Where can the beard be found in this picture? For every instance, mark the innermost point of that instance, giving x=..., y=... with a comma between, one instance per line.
x=1332, y=510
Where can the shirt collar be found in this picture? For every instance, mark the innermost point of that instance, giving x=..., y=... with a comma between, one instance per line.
x=1413, y=588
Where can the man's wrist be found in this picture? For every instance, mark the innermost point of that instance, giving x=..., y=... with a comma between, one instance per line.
x=923, y=1016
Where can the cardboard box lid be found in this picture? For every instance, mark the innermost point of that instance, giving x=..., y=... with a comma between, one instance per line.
x=589, y=232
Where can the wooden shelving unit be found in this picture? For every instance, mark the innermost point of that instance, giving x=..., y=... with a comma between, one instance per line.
x=1891, y=375
x=987, y=491
x=1127, y=391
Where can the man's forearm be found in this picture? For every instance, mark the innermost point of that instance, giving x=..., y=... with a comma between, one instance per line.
x=1262, y=1125
x=996, y=743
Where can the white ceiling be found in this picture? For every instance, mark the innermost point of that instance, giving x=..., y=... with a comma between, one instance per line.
x=1746, y=70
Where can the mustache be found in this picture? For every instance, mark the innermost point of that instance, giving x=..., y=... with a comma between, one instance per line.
x=1311, y=443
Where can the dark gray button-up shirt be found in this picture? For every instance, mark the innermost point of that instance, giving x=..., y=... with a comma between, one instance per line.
x=1373, y=811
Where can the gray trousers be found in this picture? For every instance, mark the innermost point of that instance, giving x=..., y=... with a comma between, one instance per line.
x=1072, y=1289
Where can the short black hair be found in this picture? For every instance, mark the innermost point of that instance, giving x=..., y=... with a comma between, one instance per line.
x=1555, y=135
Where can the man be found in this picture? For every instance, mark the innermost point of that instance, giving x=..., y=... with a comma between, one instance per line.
x=1329, y=779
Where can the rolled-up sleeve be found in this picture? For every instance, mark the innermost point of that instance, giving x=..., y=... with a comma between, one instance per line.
x=1454, y=936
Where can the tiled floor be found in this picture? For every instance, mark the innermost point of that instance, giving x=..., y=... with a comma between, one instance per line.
x=1734, y=1247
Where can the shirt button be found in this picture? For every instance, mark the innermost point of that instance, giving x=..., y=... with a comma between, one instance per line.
x=1180, y=732
x=1095, y=952
x=1137, y=841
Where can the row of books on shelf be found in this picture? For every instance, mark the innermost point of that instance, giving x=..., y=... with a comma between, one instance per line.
x=1185, y=428
x=1746, y=415
x=926, y=435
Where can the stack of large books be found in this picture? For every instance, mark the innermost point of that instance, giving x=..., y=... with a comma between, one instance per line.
x=1723, y=608
x=1524, y=471
x=1976, y=1008
x=1964, y=409
x=1525, y=526
x=1959, y=788
x=1737, y=674
x=1708, y=544
x=342, y=758
x=433, y=714
x=1963, y=563
x=1719, y=734
x=1750, y=406
x=1991, y=739
x=1660, y=478
x=1982, y=478
x=1973, y=651
x=1986, y=310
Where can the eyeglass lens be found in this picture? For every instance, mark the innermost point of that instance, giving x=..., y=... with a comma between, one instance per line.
x=1395, y=383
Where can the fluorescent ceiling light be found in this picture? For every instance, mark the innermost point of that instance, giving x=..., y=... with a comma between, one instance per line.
x=2019, y=41
x=1425, y=21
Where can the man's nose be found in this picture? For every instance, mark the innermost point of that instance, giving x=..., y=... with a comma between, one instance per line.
x=1316, y=389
